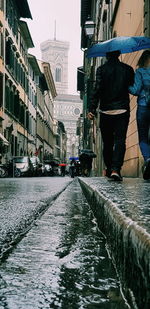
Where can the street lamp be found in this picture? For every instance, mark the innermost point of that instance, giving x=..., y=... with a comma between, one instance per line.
x=89, y=27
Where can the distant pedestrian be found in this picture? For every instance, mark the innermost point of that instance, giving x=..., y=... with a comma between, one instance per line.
x=63, y=170
x=86, y=159
x=141, y=89
x=78, y=169
x=111, y=89
x=72, y=168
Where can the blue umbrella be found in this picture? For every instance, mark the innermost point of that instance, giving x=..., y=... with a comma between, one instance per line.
x=125, y=44
x=74, y=158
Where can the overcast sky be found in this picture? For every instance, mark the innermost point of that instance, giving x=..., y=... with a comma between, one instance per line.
x=67, y=16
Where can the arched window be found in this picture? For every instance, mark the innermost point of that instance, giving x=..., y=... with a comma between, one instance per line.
x=58, y=74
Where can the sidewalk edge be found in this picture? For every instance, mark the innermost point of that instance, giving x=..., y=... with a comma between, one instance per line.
x=129, y=244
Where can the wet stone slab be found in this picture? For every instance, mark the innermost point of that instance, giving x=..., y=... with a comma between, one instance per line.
x=22, y=200
x=62, y=262
x=132, y=197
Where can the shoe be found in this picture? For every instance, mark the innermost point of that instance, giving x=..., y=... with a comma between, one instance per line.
x=107, y=172
x=146, y=169
x=115, y=175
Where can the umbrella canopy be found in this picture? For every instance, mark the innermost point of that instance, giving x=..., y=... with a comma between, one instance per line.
x=62, y=164
x=125, y=44
x=74, y=158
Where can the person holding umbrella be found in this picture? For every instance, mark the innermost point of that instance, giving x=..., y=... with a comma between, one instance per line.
x=86, y=159
x=111, y=89
x=141, y=89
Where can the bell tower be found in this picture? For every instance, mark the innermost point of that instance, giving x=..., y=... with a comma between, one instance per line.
x=56, y=53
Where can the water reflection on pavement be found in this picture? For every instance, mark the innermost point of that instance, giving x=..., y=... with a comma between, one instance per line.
x=62, y=262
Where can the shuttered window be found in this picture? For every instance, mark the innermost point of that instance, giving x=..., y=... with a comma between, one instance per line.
x=16, y=105
x=1, y=89
x=1, y=45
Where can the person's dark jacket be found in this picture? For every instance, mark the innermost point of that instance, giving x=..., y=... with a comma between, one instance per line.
x=111, y=87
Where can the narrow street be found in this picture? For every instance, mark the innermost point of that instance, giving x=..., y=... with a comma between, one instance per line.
x=62, y=261
x=75, y=154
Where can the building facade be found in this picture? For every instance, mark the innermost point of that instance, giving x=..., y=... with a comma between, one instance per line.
x=60, y=142
x=27, y=90
x=67, y=107
x=16, y=41
x=67, y=110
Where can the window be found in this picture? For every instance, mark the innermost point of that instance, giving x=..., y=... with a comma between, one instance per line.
x=7, y=97
x=8, y=52
x=58, y=74
x=1, y=89
x=1, y=44
x=16, y=105
x=11, y=16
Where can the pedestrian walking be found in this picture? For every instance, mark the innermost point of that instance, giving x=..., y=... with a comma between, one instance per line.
x=63, y=170
x=86, y=164
x=72, y=168
x=141, y=89
x=111, y=89
x=78, y=169
x=86, y=160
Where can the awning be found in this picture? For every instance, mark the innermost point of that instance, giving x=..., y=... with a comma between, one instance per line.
x=4, y=139
x=23, y=8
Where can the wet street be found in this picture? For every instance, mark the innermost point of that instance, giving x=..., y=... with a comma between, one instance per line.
x=22, y=200
x=62, y=261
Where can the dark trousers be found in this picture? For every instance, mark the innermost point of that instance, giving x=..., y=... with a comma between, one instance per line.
x=72, y=171
x=143, y=123
x=114, y=130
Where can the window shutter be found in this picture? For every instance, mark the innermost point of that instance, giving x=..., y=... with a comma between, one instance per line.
x=147, y=17
x=1, y=89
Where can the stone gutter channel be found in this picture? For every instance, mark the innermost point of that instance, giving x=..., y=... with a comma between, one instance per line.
x=123, y=212
x=23, y=209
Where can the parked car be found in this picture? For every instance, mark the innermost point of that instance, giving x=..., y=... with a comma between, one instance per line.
x=24, y=164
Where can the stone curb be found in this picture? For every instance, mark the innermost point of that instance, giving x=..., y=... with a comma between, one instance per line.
x=129, y=245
